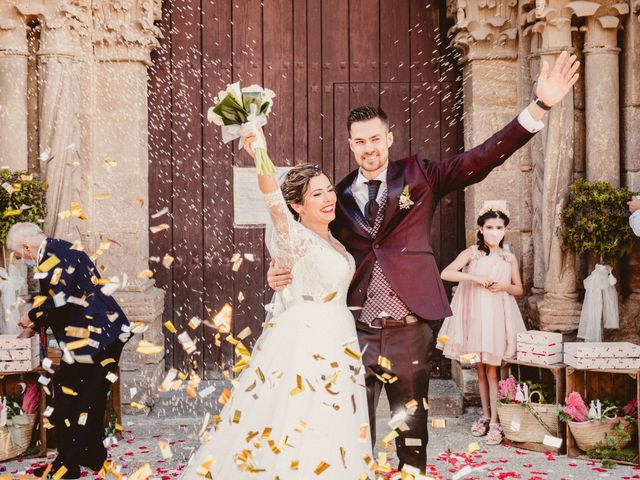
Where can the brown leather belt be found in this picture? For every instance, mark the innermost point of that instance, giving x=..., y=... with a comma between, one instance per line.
x=389, y=322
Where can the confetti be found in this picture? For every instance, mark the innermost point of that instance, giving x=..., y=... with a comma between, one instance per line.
x=322, y=466
x=438, y=423
x=69, y=391
x=169, y=326
x=352, y=354
x=159, y=228
x=167, y=260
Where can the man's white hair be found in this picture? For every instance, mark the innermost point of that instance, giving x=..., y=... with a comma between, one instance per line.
x=21, y=233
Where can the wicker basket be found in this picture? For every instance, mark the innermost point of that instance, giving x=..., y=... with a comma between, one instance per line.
x=9, y=448
x=587, y=434
x=536, y=420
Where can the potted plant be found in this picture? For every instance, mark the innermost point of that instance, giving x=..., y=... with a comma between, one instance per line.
x=595, y=221
x=601, y=430
x=521, y=419
x=22, y=199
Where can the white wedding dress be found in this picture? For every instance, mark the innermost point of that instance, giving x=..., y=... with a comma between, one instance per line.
x=299, y=410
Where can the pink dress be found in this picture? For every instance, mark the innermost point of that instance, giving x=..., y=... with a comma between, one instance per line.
x=483, y=322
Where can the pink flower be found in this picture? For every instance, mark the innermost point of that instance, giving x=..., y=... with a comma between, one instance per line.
x=631, y=407
x=575, y=407
x=508, y=388
x=31, y=399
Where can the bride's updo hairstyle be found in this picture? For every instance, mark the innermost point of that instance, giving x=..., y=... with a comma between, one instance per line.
x=296, y=184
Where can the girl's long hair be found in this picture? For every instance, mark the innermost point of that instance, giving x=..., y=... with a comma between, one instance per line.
x=482, y=246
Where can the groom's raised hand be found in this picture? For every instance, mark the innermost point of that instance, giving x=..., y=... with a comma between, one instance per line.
x=278, y=278
x=553, y=84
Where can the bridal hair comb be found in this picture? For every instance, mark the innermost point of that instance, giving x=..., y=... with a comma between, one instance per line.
x=494, y=205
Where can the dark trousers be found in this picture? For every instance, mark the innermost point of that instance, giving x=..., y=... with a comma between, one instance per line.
x=409, y=349
x=82, y=444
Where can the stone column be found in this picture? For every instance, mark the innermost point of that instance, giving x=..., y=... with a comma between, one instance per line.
x=485, y=33
x=14, y=53
x=602, y=90
x=557, y=308
x=123, y=37
x=59, y=60
x=630, y=308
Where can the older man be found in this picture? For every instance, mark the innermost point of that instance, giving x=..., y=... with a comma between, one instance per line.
x=91, y=330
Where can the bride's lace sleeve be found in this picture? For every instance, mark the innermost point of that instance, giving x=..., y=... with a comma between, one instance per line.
x=287, y=241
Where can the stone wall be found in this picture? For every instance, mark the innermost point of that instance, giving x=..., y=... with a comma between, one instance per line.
x=84, y=105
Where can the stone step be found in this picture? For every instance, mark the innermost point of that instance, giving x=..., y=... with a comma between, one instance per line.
x=445, y=399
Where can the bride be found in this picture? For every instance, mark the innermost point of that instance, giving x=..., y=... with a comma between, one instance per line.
x=299, y=410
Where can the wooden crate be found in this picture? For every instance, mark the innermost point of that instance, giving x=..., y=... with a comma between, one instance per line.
x=552, y=376
x=620, y=385
x=19, y=354
x=10, y=385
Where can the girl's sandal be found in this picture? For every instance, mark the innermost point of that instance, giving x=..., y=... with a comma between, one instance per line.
x=480, y=427
x=495, y=436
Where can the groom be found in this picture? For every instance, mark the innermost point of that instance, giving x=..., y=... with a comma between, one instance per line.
x=384, y=216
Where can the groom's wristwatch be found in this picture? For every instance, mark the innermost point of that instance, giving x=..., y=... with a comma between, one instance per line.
x=538, y=101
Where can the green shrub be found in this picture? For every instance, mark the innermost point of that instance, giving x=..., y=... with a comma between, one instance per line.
x=22, y=199
x=596, y=220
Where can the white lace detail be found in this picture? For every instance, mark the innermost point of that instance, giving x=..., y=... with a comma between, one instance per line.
x=318, y=267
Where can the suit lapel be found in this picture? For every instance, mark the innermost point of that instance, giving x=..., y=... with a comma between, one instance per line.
x=349, y=206
x=395, y=183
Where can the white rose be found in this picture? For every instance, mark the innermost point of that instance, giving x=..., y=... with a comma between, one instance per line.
x=234, y=89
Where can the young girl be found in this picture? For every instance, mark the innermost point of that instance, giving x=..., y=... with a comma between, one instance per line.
x=486, y=318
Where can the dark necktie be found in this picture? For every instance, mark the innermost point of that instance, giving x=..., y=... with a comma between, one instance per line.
x=371, y=208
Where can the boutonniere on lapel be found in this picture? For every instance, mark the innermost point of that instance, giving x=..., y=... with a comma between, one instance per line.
x=405, y=201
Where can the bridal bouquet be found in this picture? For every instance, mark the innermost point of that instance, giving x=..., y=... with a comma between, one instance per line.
x=240, y=111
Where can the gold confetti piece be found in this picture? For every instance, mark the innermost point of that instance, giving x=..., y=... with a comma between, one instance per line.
x=443, y=339
x=109, y=161
x=102, y=196
x=77, y=332
x=473, y=447
x=76, y=344
x=266, y=433
x=137, y=405
x=469, y=358
x=260, y=375
x=274, y=447
x=322, y=466
x=147, y=348
x=330, y=297
x=246, y=331
x=295, y=464
x=222, y=319
x=69, y=391
x=169, y=326
x=411, y=404
x=55, y=278
x=140, y=200
x=143, y=473
x=38, y=300
x=48, y=264
x=384, y=362
x=67, y=422
x=224, y=396
x=107, y=361
x=145, y=274
x=318, y=357
x=299, y=386
x=363, y=434
x=392, y=435
x=191, y=391
x=167, y=260
x=425, y=404
x=250, y=436
x=194, y=322
x=11, y=213
x=438, y=423
x=165, y=449
x=59, y=473
x=236, y=416
x=301, y=426
x=351, y=353
x=159, y=228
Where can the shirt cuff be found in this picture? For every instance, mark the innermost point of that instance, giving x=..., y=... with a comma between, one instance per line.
x=528, y=122
x=634, y=222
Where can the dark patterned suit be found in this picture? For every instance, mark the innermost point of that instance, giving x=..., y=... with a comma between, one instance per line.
x=76, y=307
x=403, y=250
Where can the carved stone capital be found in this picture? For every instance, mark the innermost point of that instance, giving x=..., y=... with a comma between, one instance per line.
x=124, y=30
x=603, y=20
x=63, y=24
x=551, y=21
x=484, y=29
x=13, y=38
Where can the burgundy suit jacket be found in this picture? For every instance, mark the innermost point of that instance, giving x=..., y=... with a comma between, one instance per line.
x=402, y=245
